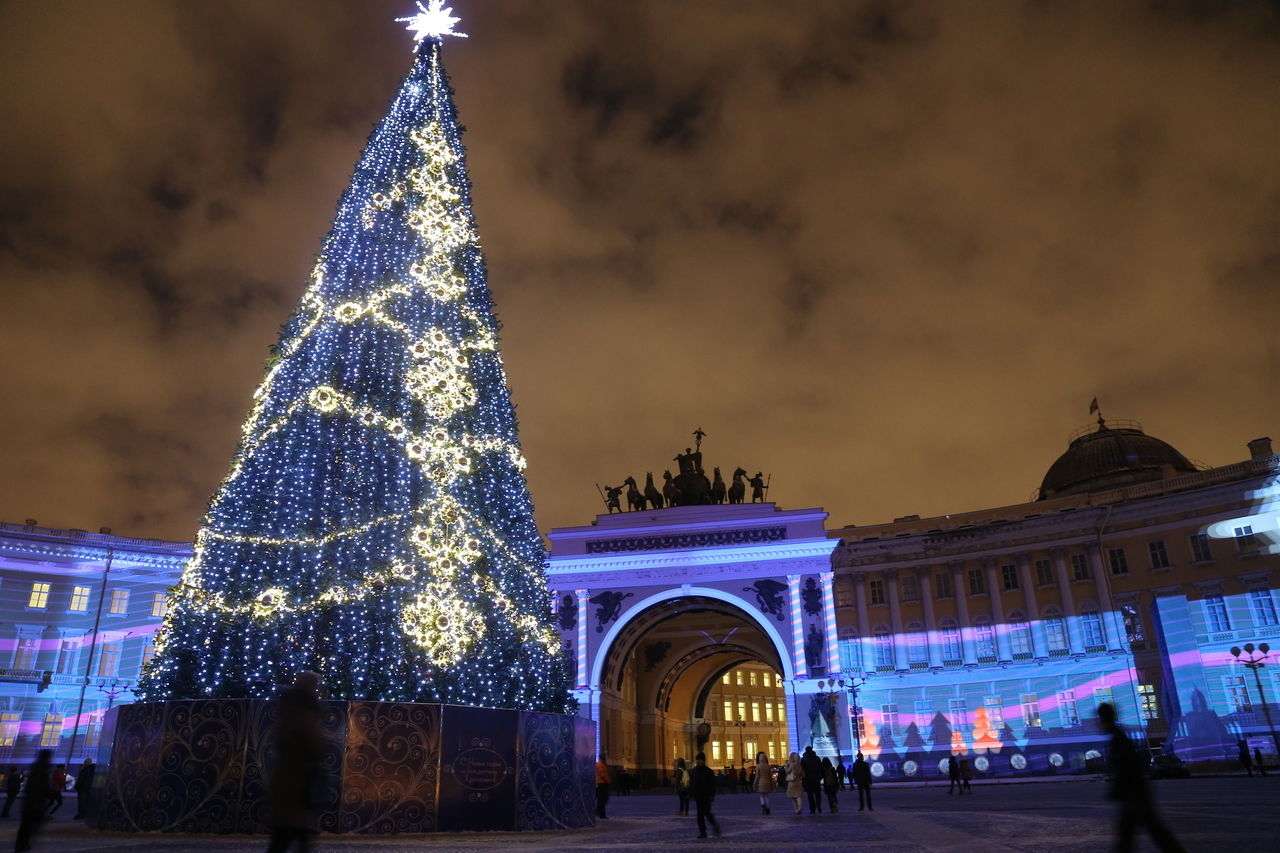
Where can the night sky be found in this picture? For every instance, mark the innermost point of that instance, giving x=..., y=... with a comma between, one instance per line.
x=887, y=252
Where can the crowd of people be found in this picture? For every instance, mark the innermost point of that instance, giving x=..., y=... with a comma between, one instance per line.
x=42, y=787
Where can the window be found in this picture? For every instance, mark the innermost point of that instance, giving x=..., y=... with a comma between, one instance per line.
x=1200, y=551
x=924, y=714
x=884, y=648
x=1159, y=556
x=1094, y=638
x=1044, y=573
x=917, y=646
x=159, y=605
x=728, y=750
x=1103, y=694
x=715, y=750
x=1237, y=693
x=1080, y=567
x=727, y=678
x=910, y=588
x=119, y=602
x=24, y=657
x=889, y=720
x=752, y=678
x=995, y=713
x=67, y=655
x=1215, y=613
x=109, y=659
x=39, y=595
x=1119, y=564
x=768, y=712
x=1020, y=639
x=942, y=584
x=1263, y=607
x=977, y=584
x=957, y=713
x=9, y=721
x=1030, y=710
x=952, y=650
x=755, y=712
x=844, y=591
x=51, y=731
x=79, y=599
x=1133, y=625
x=782, y=714
x=738, y=677
x=1055, y=633
x=1147, y=697
x=773, y=752
x=742, y=710
x=767, y=678
x=876, y=589
x=728, y=711
x=1067, y=711
x=985, y=640
x=1009, y=574
x=92, y=734
x=1245, y=540
x=148, y=653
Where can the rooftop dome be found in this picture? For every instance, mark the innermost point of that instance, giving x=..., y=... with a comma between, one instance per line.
x=1108, y=456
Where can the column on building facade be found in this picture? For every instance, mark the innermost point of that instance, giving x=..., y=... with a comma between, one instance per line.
x=829, y=612
x=864, y=655
x=960, y=588
x=998, y=624
x=1075, y=640
x=1039, y=645
x=580, y=653
x=896, y=622
x=797, y=627
x=1112, y=619
x=930, y=624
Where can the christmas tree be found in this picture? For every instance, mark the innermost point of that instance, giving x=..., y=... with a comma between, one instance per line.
x=375, y=525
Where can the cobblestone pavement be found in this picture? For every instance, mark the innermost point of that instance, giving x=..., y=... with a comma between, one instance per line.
x=1233, y=814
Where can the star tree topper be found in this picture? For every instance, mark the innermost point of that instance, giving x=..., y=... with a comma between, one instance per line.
x=432, y=21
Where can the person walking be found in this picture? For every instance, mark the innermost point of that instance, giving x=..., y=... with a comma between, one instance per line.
x=953, y=774
x=1130, y=789
x=830, y=783
x=35, y=802
x=1258, y=762
x=682, y=787
x=861, y=774
x=1245, y=758
x=84, y=788
x=299, y=743
x=12, y=787
x=795, y=781
x=966, y=774
x=57, y=784
x=764, y=781
x=812, y=766
x=840, y=772
x=602, y=787
x=703, y=788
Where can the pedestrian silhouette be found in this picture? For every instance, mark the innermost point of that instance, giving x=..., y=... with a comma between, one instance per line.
x=602, y=787
x=953, y=774
x=1257, y=760
x=12, y=787
x=1245, y=758
x=830, y=783
x=84, y=788
x=862, y=780
x=1130, y=790
x=35, y=802
x=763, y=781
x=682, y=787
x=299, y=745
x=57, y=784
x=795, y=781
x=812, y=767
x=703, y=787
x=966, y=773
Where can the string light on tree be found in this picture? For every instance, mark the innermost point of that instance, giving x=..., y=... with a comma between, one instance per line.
x=375, y=524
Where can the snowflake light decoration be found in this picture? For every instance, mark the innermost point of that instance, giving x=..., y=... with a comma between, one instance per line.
x=432, y=21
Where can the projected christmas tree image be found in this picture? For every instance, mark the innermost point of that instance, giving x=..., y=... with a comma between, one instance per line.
x=375, y=525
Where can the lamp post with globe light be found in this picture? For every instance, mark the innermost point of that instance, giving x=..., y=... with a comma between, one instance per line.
x=1255, y=663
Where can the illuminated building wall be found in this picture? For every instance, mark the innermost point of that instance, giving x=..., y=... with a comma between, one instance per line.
x=51, y=595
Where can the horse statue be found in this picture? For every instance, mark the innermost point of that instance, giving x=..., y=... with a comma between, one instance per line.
x=651, y=493
x=670, y=490
x=717, y=489
x=635, y=500
x=739, y=489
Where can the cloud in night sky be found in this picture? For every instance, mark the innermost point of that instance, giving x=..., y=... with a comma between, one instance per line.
x=886, y=251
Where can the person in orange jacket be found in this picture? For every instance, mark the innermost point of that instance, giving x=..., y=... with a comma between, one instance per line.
x=602, y=786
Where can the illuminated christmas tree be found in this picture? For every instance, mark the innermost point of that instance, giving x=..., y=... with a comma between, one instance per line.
x=375, y=525
x=985, y=737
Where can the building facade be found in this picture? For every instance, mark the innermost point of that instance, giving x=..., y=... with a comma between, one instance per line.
x=992, y=635
x=78, y=616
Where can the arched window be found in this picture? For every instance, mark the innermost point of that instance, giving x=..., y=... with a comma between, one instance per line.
x=949, y=636
x=1055, y=631
x=917, y=646
x=985, y=639
x=1020, y=636
x=884, y=647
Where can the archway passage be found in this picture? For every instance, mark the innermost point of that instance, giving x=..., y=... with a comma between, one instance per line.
x=665, y=681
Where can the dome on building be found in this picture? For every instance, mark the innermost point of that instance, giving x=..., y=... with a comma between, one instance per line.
x=1108, y=456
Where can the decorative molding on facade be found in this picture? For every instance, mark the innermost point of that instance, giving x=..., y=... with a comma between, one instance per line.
x=703, y=539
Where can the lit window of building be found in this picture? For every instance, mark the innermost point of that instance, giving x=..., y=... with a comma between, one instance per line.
x=1031, y=710
x=119, y=602
x=755, y=712
x=742, y=710
x=159, y=605
x=768, y=712
x=767, y=678
x=727, y=678
x=68, y=653
x=39, y=597
x=51, y=731
x=738, y=677
x=728, y=711
x=1103, y=694
x=782, y=712
x=109, y=659
x=1159, y=556
x=1237, y=693
x=1119, y=563
x=79, y=599
x=995, y=712
x=728, y=750
x=1067, y=711
x=1147, y=696
x=9, y=722
x=715, y=750
x=148, y=653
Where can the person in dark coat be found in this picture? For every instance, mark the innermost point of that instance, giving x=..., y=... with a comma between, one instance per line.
x=84, y=788
x=1245, y=758
x=300, y=747
x=830, y=784
x=35, y=802
x=12, y=787
x=702, y=786
x=1129, y=788
x=861, y=774
x=811, y=764
x=1257, y=761
x=953, y=774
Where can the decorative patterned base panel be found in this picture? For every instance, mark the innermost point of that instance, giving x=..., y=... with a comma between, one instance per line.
x=389, y=767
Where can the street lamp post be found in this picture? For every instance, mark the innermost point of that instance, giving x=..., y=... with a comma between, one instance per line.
x=1255, y=663
x=852, y=686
